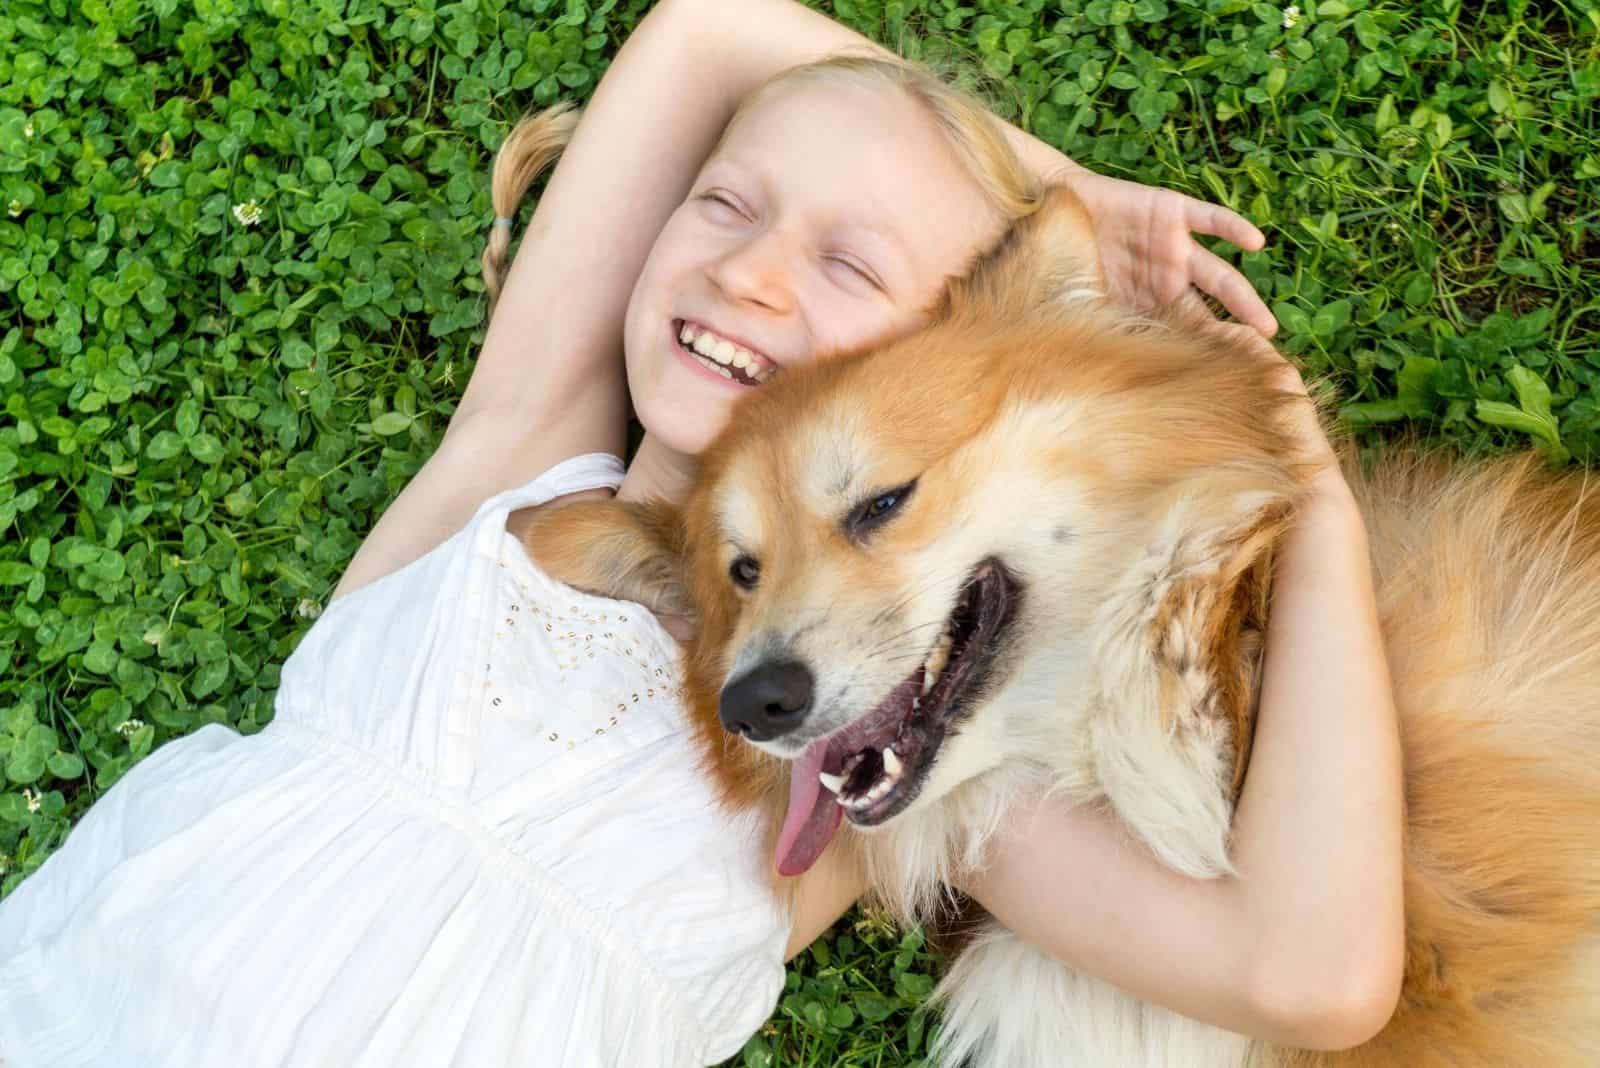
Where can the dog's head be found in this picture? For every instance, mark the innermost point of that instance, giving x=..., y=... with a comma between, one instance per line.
x=1033, y=534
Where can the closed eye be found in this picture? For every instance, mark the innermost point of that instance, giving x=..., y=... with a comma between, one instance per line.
x=859, y=270
x=876, y=510
x=721, y=199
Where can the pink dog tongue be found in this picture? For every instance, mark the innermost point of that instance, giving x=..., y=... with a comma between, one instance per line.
x=813, y=814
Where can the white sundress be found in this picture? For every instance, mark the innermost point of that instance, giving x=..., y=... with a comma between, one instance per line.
x=473, y=834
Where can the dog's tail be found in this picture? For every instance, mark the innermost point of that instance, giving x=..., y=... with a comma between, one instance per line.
x=534, y=144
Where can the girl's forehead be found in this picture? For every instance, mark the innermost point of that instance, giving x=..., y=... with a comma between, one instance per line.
x=868, y=157
x=839, y=126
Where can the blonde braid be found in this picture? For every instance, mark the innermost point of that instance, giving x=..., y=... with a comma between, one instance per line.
x=534, y=144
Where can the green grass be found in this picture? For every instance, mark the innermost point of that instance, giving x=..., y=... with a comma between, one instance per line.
x=202, y=415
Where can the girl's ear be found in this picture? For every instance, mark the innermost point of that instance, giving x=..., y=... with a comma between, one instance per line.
x=1047, y=261
x=633, y=552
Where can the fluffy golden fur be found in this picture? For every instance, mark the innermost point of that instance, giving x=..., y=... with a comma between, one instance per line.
x=1134, y=477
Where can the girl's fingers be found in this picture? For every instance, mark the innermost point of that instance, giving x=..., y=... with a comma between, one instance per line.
x=1218, y=221
x=1214, y=275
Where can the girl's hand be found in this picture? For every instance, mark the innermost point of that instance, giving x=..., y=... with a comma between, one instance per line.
x=1149, y=253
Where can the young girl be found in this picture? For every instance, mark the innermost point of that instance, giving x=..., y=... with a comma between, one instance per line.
x=474, y=832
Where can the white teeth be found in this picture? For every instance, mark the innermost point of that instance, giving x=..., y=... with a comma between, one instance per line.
x=833, y=783
x=723, y=352
x=706, y=344
x=893, y=768
x=715, y=367
x=938, y=657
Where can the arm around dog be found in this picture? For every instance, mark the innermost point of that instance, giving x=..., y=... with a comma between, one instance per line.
x=1304, y=946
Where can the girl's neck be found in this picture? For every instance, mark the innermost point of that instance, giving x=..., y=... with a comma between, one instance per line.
x=657, y=472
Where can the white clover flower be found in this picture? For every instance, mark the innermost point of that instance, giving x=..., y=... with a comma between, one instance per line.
x=1291, y=15
x=1275, y=53
x=32, y=799
x=27, y=131
x=128, y=726
x=248, y=213
x=14, y=208
x=308, y=609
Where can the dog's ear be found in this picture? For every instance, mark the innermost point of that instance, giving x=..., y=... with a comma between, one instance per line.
x=1179, y=646
x=1048, y=261
x=633, y=552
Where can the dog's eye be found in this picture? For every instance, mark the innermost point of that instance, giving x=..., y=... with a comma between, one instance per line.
x=875, y=510
x=745, y=571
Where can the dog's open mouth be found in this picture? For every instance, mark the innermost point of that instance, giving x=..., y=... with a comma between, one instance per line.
x=871, y=770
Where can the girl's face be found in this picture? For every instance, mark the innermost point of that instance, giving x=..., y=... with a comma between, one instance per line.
x=829, y=219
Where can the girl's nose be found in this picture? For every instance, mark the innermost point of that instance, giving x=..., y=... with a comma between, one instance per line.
x=757, y=271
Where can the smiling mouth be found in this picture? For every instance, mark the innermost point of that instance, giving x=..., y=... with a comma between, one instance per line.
x=870, y=771
x=721, y=356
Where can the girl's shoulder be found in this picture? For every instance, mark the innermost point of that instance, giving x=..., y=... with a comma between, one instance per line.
x=477, y=461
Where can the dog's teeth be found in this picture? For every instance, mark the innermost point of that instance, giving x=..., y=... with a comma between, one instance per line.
x=834, y=783
x=891, y=764
x=686, y=335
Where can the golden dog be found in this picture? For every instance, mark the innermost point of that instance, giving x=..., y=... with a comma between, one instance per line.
x=1032, y=544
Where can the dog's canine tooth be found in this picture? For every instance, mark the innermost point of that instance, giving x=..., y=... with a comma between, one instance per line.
x=686, y=335
x=891, y=763
x=833, y=783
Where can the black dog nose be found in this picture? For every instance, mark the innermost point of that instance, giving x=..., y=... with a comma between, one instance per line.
x=768, y=700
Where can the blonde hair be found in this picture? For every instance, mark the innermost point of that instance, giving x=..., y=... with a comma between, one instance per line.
x=976, y=135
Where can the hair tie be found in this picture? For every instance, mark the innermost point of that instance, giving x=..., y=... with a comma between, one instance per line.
x=503, y=221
